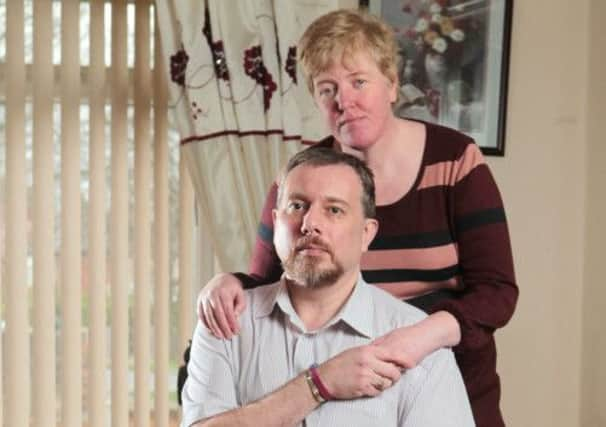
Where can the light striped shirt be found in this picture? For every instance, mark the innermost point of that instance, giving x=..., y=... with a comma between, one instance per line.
x=273, y=347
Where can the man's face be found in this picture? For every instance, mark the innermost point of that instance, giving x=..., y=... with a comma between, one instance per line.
x=319, y=227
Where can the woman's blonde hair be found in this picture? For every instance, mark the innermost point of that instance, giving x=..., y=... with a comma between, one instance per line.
x=338, y=35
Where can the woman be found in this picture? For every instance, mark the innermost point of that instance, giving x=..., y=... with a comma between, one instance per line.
x=443, y=243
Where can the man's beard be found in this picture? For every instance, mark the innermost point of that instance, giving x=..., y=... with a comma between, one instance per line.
x=306, y=271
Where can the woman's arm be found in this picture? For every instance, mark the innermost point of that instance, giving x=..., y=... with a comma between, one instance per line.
x=478, y=221
x=222, y=299
x=264, y=266
x=413, y=343
x=489, y=292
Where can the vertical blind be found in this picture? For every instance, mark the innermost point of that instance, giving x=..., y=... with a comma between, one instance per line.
x=98, y=218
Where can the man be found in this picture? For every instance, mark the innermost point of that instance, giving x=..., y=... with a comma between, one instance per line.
x=320, y=311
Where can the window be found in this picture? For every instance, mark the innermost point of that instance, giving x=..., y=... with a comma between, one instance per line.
x=176, y=348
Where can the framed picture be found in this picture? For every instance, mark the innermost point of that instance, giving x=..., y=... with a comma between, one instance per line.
x=454, y=60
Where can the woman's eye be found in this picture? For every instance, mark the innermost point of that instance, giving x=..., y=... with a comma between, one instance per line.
x=326, y=91
x=358, y=83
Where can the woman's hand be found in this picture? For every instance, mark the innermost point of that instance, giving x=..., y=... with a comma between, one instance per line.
x=410, y=344
x=220, y=303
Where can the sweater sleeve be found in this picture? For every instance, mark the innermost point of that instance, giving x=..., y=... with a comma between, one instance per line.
x=486, y=267
x=264, y=264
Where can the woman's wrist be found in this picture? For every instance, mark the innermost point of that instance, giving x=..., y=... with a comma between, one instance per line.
x=446, y=328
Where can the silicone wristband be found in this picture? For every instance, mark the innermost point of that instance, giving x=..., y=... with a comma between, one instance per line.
x=314, y=389
x=315, y=377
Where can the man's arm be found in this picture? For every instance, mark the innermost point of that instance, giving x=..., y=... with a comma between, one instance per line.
x=288, y=405
x=210, y=395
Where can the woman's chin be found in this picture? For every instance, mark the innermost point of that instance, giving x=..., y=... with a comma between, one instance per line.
x=356, y=144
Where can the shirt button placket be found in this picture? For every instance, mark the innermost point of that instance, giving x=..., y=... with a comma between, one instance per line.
x=303, y=358
x=303, y=355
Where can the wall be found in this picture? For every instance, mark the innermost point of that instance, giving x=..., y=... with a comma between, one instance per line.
x=593, y=410
x=554, y=146
x=542, y=178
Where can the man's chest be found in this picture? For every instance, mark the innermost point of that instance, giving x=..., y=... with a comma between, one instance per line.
x=286, y=353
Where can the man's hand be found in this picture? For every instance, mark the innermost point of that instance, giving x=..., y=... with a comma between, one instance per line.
x=220, y=303
x=366, y=370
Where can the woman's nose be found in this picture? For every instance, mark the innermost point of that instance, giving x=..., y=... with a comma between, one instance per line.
x=343, y=99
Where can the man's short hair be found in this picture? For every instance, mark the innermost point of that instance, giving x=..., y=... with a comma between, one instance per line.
x=323, y=156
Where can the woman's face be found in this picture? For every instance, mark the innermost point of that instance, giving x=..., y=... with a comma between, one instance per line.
x=355, y=100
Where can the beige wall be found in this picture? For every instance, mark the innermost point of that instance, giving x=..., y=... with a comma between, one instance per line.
x=543, y=181
x=551, y=179
x=593, y=409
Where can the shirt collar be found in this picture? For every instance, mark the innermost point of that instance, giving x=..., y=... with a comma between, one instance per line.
x=357, y=312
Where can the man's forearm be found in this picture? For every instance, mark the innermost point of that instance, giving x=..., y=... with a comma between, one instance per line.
x=286, y=406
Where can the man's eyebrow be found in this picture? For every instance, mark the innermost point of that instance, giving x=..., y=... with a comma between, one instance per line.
x=336, y=200
x=329, y=199
x=295, y=195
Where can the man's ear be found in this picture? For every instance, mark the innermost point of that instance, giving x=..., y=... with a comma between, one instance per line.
x=371, y=227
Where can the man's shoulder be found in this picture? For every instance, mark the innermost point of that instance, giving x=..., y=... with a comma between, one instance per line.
x=392, y=310
x=261, y=298
x=263, y=292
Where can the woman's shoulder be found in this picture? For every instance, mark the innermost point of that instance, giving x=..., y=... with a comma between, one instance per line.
x=446, y=144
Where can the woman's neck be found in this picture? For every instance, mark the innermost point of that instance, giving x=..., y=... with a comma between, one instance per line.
x=394, y=159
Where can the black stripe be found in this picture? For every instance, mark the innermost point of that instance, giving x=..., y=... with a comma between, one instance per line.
x=409, y=275
x=426, y=302
x=477, y=219
x=265, y=233
x=412, y=241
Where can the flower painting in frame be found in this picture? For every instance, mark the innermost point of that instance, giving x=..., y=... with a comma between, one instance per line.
x=453, y=63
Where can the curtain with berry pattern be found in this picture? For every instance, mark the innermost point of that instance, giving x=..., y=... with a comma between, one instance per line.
x=240, y=106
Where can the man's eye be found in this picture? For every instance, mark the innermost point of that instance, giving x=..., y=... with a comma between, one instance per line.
x=335, y=210
x=295, y=206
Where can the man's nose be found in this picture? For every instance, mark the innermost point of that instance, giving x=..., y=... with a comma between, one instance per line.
x=312, y=222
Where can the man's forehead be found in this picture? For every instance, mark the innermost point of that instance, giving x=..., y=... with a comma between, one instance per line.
x=333, y=181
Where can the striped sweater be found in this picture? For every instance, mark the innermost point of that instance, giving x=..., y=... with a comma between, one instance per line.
x=443, y=246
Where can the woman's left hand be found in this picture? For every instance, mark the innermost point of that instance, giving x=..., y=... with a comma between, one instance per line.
x=412, y=343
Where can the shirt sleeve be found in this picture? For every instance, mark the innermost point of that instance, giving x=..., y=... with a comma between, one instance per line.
x=210, y=386
x=437, y=396
x=485, y=260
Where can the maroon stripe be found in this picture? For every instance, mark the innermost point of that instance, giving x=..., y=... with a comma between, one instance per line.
x=197, y=138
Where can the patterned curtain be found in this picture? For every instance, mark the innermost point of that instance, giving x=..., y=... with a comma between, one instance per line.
x=240, y=106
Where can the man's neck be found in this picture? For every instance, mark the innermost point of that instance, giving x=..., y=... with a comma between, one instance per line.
x=317, y=306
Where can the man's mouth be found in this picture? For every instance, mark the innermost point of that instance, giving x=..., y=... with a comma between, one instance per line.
x=312, y=248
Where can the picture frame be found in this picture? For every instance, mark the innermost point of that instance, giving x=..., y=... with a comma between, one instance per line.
x=453, y=63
